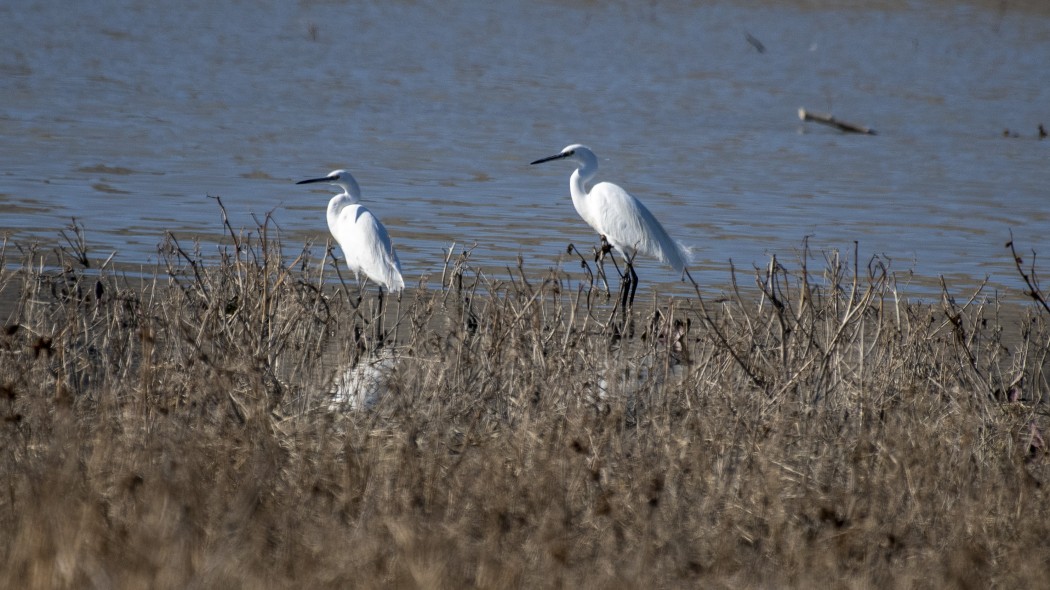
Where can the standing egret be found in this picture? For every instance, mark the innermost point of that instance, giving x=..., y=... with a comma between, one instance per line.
x=620, y=218
x=365, y=243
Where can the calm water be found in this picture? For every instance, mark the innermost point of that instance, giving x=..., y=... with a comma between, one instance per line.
x=126, y=115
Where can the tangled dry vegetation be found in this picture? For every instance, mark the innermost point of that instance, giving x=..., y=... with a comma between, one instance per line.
x=175, y=431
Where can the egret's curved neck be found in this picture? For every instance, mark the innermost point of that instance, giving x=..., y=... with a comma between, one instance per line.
x=351, y=192
x=578, y=188
x=351, y=195
x=584, y=173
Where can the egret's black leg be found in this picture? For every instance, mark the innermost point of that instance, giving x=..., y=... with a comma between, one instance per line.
x=625, y=290
x=634, y=282
x=379, y=335
x=628, y=287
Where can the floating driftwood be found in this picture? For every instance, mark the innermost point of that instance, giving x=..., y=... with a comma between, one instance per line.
x=759, y=47
x=833, y=122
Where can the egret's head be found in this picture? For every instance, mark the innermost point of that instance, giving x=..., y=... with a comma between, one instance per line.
x=579, y=153
x=571, y=150
x=333, y=178
x=340, y=178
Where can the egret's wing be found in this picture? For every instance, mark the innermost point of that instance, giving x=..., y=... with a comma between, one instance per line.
x=628, y=224
x=366, y=246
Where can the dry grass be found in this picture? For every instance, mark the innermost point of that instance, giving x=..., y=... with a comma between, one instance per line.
x=174, y=432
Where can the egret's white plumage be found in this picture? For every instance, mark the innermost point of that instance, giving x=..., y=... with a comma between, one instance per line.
x=366, y=245
x=362, y=386
x=614, y=213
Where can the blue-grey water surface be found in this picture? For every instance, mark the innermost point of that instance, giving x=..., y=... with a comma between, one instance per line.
x=126, y=114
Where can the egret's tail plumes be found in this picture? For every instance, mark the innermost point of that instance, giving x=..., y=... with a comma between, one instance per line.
x=677, y=256
x=683, y=257
x=390, y=277
x=658, y=245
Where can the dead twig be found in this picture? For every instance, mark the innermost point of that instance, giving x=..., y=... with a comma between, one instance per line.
x=827, y=119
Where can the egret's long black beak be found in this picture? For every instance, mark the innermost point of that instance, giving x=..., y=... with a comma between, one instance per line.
x=325, y=179
x=549, y=158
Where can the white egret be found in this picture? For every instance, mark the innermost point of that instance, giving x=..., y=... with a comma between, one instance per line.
x=622, y=220
x=365, y=243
